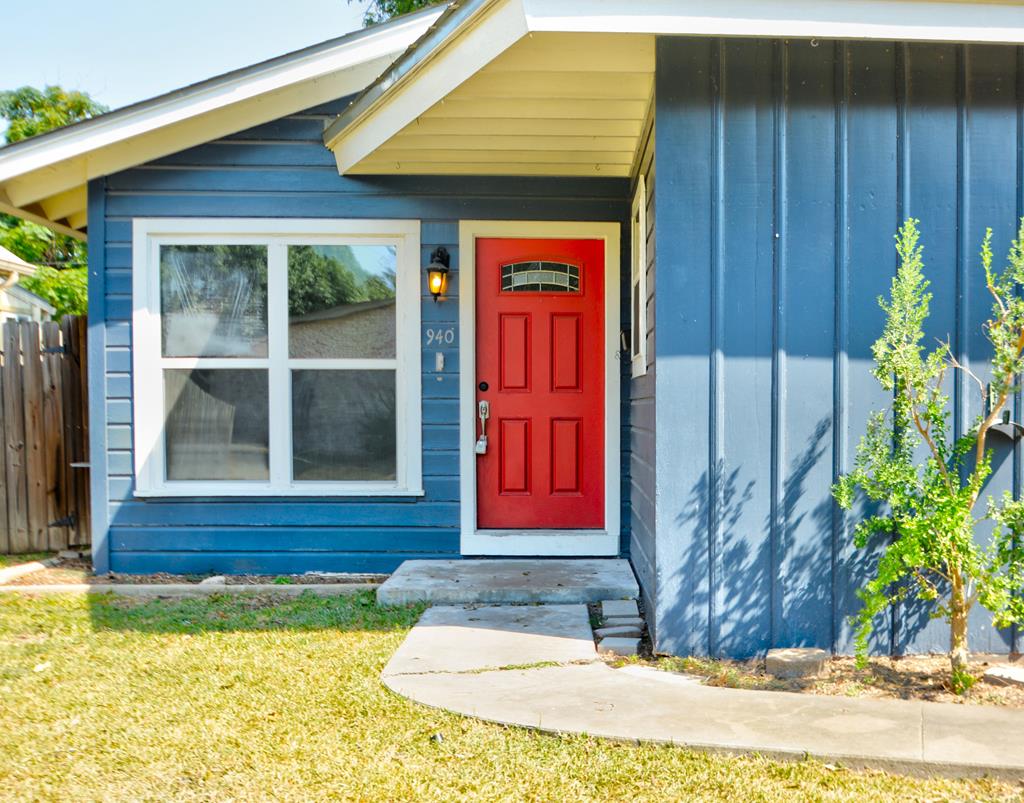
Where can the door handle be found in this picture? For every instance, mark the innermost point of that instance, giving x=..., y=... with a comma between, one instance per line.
x=484, y=412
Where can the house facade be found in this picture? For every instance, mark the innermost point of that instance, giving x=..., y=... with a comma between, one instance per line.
x=666, y=234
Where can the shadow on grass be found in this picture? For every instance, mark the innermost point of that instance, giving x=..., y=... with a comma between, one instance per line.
x=223, y=613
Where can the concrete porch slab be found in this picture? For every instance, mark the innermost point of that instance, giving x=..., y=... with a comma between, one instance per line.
x=460, y=582
x=469, y=638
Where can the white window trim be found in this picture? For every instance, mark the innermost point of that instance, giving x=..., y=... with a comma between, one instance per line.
x=549, y=543
x=147, y=363
x=638, y=279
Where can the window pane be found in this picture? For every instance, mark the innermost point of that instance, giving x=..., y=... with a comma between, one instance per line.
x=343, y=425
x=216, y=424
x=540, y=277
x=341, y=301
x=637, y=334
x=213, y=300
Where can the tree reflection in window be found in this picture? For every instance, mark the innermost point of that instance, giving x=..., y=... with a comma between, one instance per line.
x=341, y=301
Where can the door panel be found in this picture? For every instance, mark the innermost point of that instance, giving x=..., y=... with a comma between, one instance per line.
x=540, y=326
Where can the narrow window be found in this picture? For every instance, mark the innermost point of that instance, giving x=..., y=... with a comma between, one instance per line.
x=638, y=281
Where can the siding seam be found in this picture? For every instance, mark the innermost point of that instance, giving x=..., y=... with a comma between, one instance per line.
x=839, y=371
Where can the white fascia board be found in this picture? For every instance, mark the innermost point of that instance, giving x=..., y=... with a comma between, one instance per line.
x=492, y=31
x=117, y=127
x=189, y=132
x=905, y=20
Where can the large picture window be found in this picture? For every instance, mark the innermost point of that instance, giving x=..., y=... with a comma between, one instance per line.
x=276, y=357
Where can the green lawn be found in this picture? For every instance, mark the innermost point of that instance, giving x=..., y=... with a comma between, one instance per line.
x=14, y=560
x=244, y=699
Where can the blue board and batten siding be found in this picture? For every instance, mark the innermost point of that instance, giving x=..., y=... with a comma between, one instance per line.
x=283, y=170
x=783, y=171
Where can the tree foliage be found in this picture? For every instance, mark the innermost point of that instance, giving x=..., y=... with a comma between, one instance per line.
x=30, y=111
x=928, y=482
x=62, y=278
x=384, y=10
x=62, y=281
x=67, y=290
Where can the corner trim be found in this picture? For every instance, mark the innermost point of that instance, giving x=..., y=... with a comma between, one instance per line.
x=96, y=372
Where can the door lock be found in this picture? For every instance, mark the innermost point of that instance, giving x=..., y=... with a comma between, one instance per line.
x=484, y=411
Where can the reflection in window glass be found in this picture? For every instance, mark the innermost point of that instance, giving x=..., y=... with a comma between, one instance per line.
x=343, y=425
x=216, y=424
x=213, y=300
x=341, y=301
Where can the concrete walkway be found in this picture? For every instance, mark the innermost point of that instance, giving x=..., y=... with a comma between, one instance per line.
x=452, y=659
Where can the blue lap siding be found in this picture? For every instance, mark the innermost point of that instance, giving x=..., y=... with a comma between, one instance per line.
x=783, y=171
x=283, y=170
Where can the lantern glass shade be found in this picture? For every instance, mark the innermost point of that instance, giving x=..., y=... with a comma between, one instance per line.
x=437, y=278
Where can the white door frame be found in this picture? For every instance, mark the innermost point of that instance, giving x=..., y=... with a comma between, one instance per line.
x=538, y=542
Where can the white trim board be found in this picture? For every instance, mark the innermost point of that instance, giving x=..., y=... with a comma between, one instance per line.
x=905, y=20
x=562, y=543
x=45, y=167
x=148, y=365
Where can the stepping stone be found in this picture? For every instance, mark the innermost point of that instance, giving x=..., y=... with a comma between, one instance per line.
x=1005, y=675
x=619, y=607
x=623, y=621
x=796, y=662
x=626, y=631
x=619, y=646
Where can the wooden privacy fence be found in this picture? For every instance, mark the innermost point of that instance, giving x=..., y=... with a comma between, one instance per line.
x=44, y=477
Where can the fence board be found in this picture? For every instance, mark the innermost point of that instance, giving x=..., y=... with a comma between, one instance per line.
x=14, y=431
x=44, y=501
x=53, y=428
x=5, y=537
x=35, y=438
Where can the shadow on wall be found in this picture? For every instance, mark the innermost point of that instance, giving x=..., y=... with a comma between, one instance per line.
x=773, y=587
x=779, y=586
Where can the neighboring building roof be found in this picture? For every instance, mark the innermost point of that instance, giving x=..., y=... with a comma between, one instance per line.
x=31, y=299
x=525, y=87
x=44, y=178
x=341, y=311
x=12, y=263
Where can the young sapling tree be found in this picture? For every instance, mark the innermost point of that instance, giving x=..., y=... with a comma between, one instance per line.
x=928, y=484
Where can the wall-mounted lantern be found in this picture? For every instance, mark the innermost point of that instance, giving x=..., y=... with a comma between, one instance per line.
x=437, y=272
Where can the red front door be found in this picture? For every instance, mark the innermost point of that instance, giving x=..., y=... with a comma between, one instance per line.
x=540, y=368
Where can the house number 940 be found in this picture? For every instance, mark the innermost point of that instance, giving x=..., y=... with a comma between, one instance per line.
x=441, y=337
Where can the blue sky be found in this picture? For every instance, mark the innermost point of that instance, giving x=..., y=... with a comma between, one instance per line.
x=122, y=51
